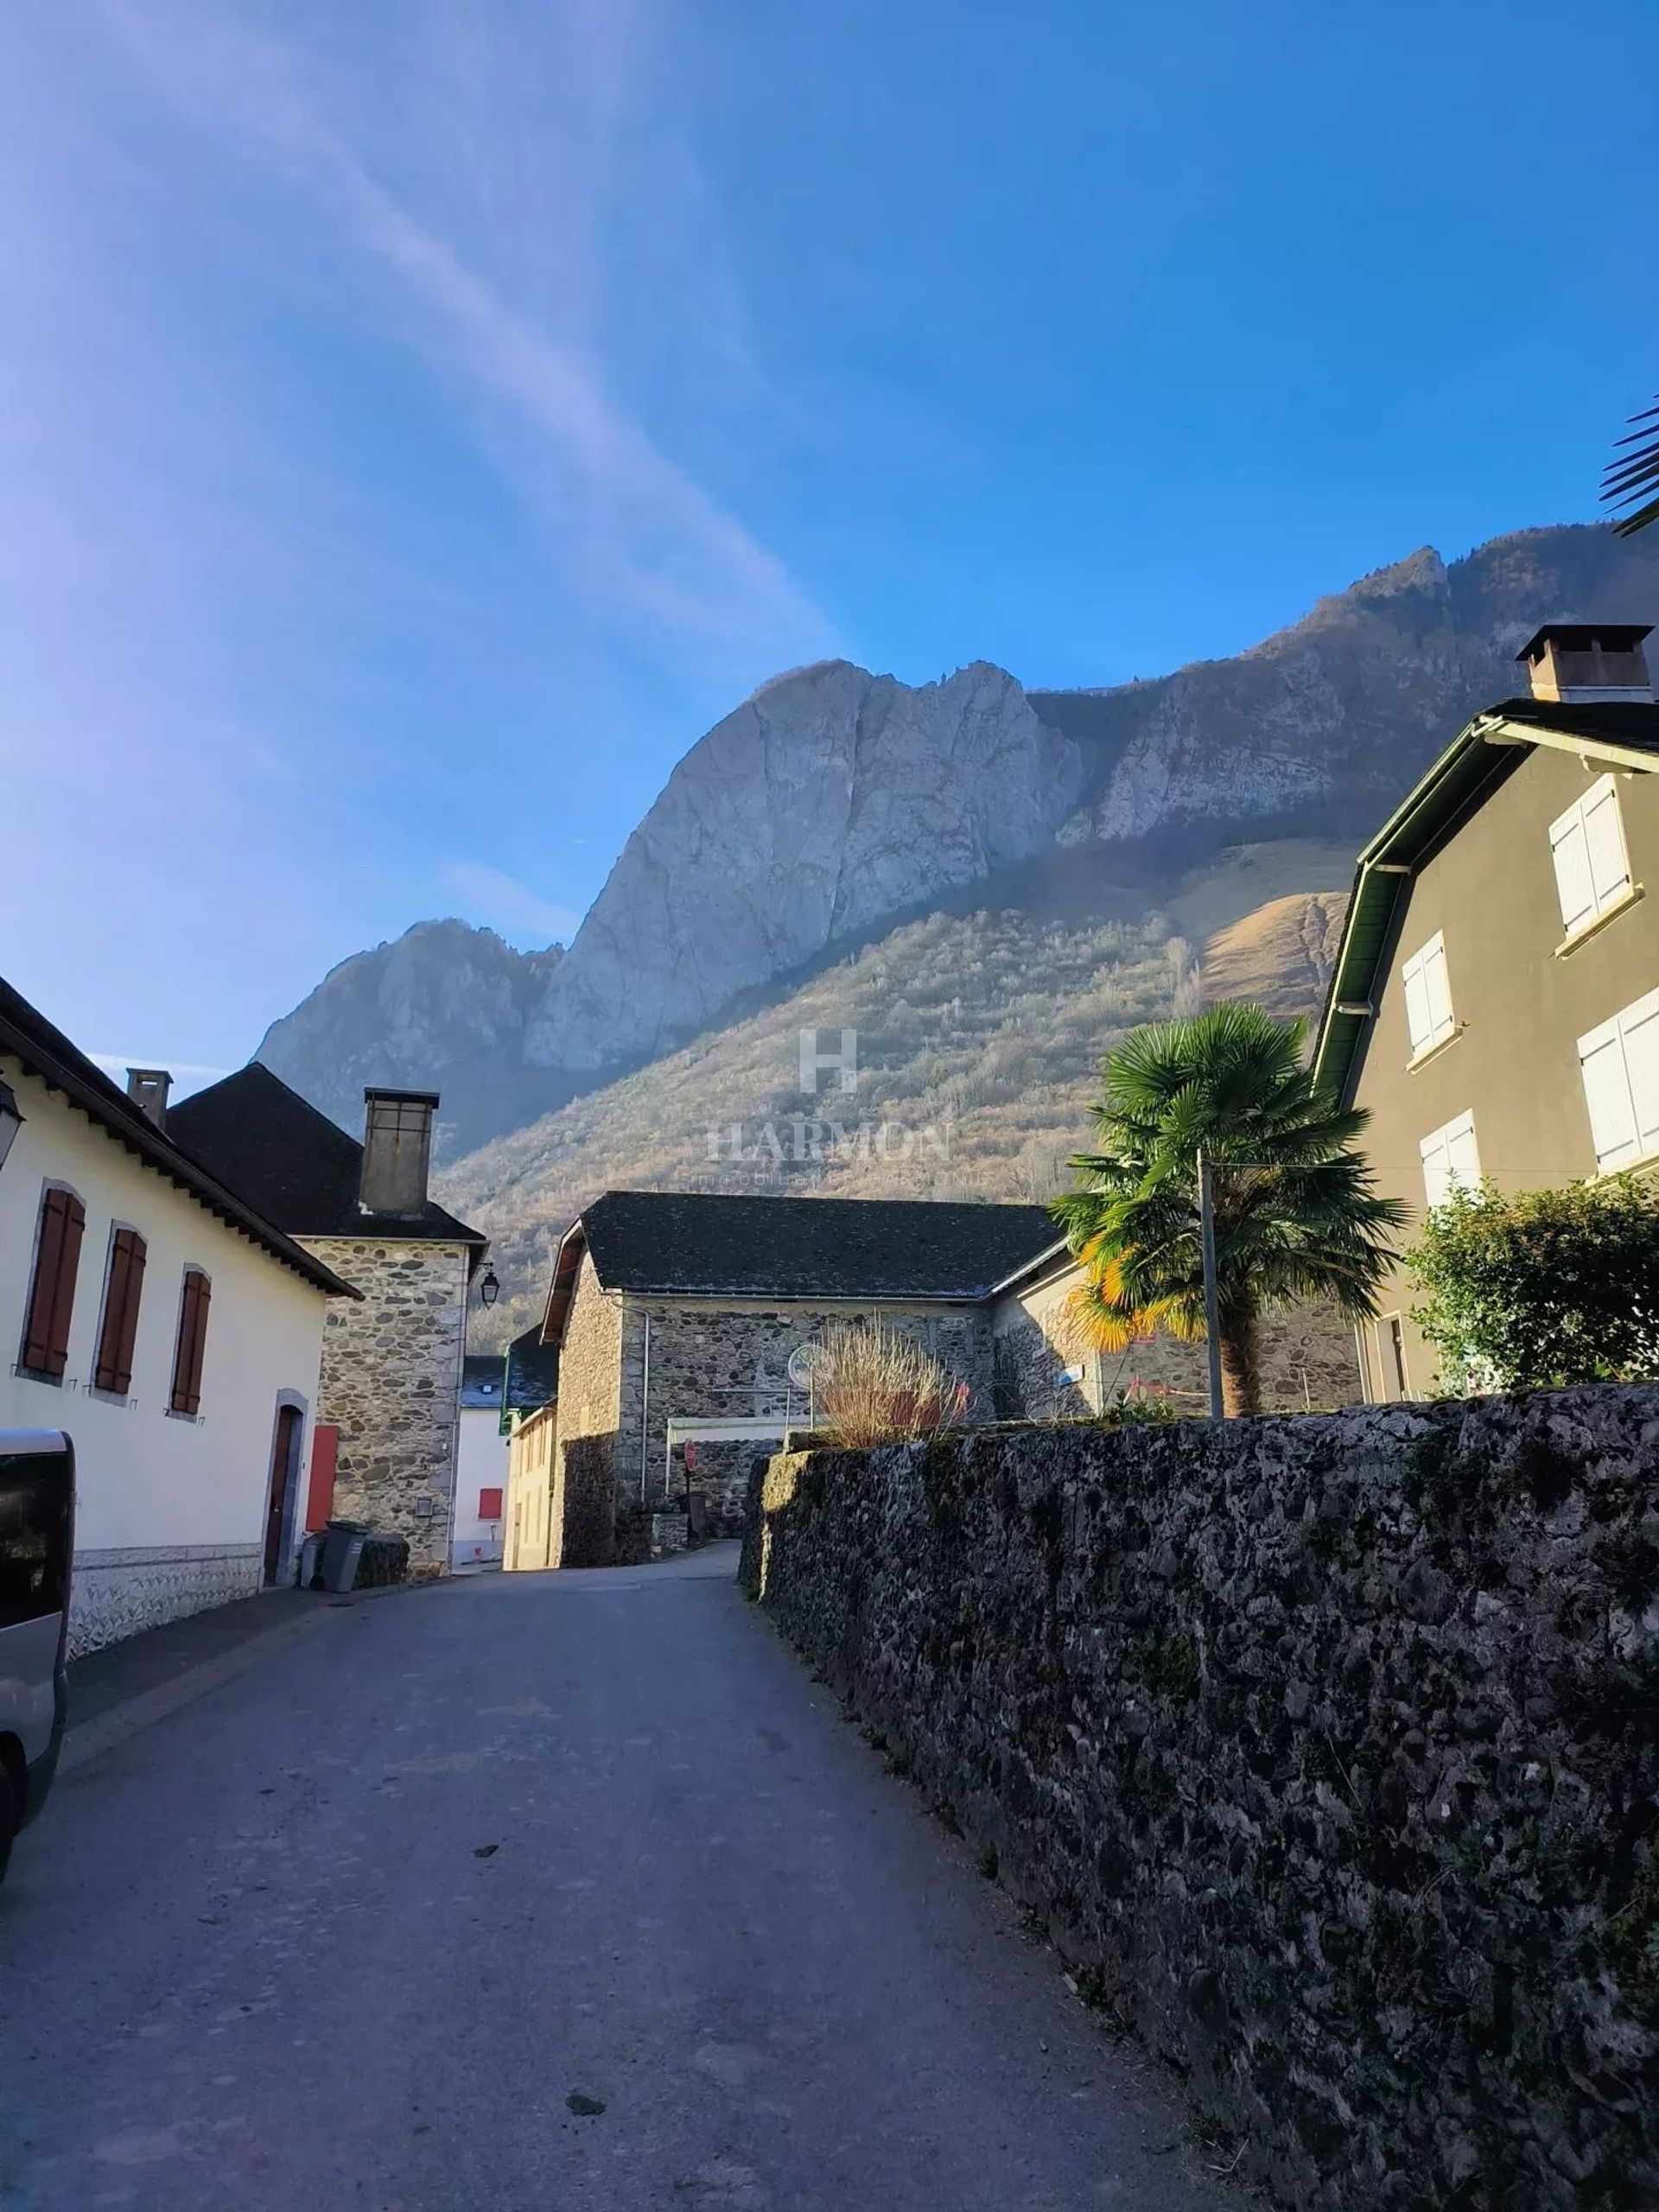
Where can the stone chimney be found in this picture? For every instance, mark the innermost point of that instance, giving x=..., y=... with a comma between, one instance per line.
x=148, y=1089
x=396, y=1150
x=1581, y=663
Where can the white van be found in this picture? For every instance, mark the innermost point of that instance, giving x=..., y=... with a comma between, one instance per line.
x=37, y=1541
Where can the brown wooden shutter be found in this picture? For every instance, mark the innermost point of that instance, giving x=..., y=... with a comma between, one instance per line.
x=192, y=1342
x=120, y=1327
x=52, y=1296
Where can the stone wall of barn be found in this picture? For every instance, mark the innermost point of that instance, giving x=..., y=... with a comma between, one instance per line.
x=391, y=1384
x=591, y=1448
x=1323, y=1748
x=729, y=1359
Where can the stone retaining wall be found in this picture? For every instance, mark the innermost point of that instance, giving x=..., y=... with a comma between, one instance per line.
x=1326, y=1751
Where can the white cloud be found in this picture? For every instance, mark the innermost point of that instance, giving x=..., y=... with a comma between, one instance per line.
x=498, y=899
x=652, y=552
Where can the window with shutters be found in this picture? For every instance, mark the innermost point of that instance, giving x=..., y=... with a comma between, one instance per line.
x=1450, y=1161
x=1620, y=1063
x=124, y=1283
x=45, y=1351
x=1429, y=1019
x=1592, y=869
x=193, y=1303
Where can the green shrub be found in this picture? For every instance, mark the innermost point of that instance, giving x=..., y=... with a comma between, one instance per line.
x=1542, y=1288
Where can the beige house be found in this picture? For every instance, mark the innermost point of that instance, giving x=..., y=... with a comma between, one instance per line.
x=1495, y=1004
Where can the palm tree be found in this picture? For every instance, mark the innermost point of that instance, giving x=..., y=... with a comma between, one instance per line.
x=1296, y=1215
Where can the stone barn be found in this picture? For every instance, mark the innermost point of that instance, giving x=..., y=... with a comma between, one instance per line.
x=676, y=1316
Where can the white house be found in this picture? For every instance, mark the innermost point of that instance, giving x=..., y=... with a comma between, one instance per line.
x=481, y=1462
x=149, y=1313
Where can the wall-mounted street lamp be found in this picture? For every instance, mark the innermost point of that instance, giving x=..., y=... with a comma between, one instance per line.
x=11, y=1120
x=490, y=1289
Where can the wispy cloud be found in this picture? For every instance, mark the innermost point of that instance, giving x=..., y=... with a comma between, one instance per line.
x=650, y=550
x=493, y=896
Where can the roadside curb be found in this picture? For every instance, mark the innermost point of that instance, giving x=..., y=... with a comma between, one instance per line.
x=134, y=1714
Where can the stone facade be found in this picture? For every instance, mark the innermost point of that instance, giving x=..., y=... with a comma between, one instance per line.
x=588, y=1455
x=1309, y=1363
x=391, y=1383
x=115, y=1593
x=1323, y=1748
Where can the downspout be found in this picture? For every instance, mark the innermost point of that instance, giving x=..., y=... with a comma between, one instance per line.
x=644, y=1410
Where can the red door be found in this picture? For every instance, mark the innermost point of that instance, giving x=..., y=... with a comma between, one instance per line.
x=284, y=1460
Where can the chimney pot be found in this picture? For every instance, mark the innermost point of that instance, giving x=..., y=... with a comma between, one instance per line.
x=1581, y=662
x=396, y=1150
x=148, y=1089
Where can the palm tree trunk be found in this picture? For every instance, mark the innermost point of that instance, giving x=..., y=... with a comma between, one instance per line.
x=1241, y=1377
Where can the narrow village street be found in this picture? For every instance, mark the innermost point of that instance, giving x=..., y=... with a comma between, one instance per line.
x=541, y=1890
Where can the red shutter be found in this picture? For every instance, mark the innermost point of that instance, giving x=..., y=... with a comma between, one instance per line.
x=325, y=1458
x=52, y=1296
x=192, y=1342
x=489, y=1505
x=120, y=1325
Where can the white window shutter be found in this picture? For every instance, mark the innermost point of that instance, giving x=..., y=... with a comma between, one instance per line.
x=1438, y=989
x=1609, y=866
x=1462, y=1159
x=1607, y=1095
x=1437, y=1174
x=1639, y=1033
x=1569, y=848
x=1419, y=1023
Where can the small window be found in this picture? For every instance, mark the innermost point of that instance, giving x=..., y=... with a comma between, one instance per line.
x=1619, y=1063
x=52, y=1291
x=123, y=1281
x=191, y=1345
x=1450, y=1161
x=1592, y=869
x=489, y=1505
x=1428, y=997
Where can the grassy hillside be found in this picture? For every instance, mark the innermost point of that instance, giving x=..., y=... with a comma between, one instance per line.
x=980, y=1036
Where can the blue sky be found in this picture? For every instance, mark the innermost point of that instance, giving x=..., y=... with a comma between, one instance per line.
x=419, y=420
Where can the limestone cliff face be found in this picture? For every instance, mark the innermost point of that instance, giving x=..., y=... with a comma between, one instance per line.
x=829, y=799
x=442, y=1008
x=835, y=802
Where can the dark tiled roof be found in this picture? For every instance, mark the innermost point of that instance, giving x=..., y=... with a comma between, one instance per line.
x=532, y=1372
x=293, y=1163
x=699, y=1243
x=481, y=1374
x=44, y=1050
x=1632, y=722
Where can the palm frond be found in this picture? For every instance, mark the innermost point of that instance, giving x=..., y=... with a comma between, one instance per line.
x=1630, y=476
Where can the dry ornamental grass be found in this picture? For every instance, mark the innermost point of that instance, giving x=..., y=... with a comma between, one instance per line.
x=871, y=1385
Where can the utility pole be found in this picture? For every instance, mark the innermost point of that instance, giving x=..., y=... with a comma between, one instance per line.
x=1211, y=1296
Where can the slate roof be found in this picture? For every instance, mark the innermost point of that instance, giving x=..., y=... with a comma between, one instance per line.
x=702, y=1244
x=482, y=1377
x=27, y=1035
x=532, y=1372
x=1483, y=754
x=299, y=1169
x=1628, y=722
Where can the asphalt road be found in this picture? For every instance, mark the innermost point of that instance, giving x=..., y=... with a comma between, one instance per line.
x=355, y=1927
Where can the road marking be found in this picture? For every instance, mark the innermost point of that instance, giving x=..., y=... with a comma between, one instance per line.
x=93, y=1737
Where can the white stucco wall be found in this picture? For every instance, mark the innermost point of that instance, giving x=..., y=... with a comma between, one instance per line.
x=480, y=1464
x=170, y=1511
